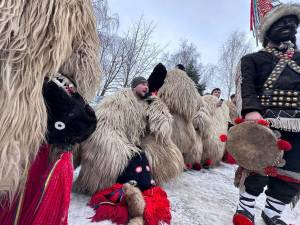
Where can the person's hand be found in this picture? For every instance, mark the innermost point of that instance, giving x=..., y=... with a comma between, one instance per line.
x=253, y=116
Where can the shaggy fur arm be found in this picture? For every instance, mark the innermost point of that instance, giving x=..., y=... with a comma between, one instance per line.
x=159, y=147
x=159, y=119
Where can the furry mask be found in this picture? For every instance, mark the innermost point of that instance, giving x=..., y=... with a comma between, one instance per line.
x=70, y=119
x=138, y=172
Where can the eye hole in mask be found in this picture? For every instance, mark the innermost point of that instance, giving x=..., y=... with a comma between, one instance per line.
x=59, y=125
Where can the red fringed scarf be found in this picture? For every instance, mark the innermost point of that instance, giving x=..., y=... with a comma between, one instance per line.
x=46, y=198
x=157, y=206
x=110, y=204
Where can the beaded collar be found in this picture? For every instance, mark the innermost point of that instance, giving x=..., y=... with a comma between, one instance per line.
x=285, y=59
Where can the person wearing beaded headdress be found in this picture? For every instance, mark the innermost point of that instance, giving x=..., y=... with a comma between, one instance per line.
x=270, y=89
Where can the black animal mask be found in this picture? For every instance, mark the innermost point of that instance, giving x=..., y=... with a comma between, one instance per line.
x=70, y=119
x=138, y=170
x=284, y=29
x=157, y=78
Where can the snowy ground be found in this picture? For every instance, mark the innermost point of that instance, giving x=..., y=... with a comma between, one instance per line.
x=207, y=197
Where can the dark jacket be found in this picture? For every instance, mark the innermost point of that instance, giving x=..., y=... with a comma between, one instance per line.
x=256, y=68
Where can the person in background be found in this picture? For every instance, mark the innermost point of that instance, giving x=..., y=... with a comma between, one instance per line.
x=217, y=93
x=233, y=99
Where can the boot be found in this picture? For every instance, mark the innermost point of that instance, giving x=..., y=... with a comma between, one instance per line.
x=245, y=212
x=272, y=212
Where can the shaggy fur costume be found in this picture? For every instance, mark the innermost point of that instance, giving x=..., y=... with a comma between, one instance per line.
x=218, y=117
x=38, y=39
x=180, y=95
x=233, y=114
x=122, y=121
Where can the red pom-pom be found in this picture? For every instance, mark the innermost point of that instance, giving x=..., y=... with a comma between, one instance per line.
x=271, y=171
x=208, y=162
x=197, y=166
x=238, y=120
x=263, y=122
x=284, y=145
x=241, y=219
x=188, y=166
x=223, y=138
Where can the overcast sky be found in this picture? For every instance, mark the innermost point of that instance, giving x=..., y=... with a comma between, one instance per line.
x=205, y=23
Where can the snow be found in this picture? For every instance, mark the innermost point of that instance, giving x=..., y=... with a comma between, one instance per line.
x=205, y=197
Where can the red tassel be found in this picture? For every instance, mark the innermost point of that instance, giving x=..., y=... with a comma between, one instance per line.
x=117, y=213
x=284, y=145
x=188, y=166
x=208, y=162
x=197, y=166
x=157, y=206
x=109, y=206
x=240, y=219
x=48, y=190
x=239, y=120
x=271, y=171
x=263, y=122
x=228, y=158
x=223, y=138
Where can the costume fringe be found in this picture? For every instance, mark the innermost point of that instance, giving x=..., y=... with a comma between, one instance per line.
x=51, y=191
x=36, y=39
x=158, y=145
x=117, y=137
x=105, y=155
x=179, y=93
x=182, y=99
x=213, y=148
x=287, y=124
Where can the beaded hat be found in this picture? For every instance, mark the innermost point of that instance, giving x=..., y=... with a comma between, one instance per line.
x=264, y=13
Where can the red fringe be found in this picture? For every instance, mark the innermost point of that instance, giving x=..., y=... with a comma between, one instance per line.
x=157, y=206
x=223, y=138
x=44, y=204
x=107, y=206
x=284, y=145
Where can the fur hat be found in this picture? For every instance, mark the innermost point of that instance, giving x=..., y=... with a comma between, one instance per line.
x=264, y=13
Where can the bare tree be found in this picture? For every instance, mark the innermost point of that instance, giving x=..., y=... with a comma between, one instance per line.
x=208, y=73
x=141, y=52
x=234, y=47
x=112, y=63
x=189, y=56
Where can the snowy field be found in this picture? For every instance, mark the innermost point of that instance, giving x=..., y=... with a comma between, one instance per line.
x=207, y=197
